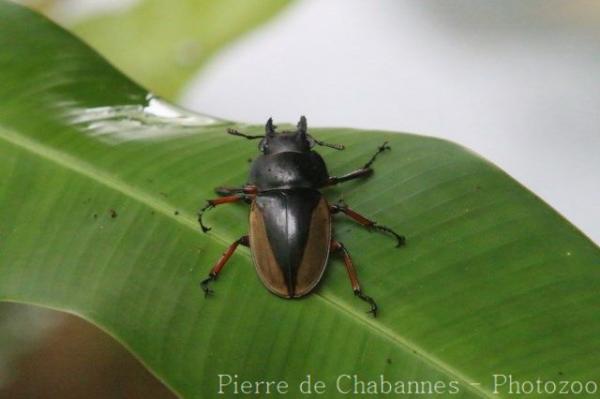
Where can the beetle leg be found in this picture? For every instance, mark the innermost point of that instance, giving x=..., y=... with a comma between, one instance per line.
x=365, y=171
x=333, y=180
x=219, y=201
x=341, y=206
x=338, y=246
x=214, y=273
x=225, y=191
x=380, y=149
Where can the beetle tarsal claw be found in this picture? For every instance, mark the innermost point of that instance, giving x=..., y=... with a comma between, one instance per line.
x=369, y=300
x=384, y=146
x=204, y=285
x=209, y=205
x=401, y=240
x=380, y=149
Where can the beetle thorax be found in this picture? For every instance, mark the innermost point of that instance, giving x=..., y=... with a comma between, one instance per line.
x=288, y=170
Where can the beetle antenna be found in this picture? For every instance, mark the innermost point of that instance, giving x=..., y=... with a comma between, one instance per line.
x=235, y=132
x=302, y=129
x=324, y=144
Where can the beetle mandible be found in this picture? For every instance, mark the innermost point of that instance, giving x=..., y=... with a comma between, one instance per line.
x=291, y=234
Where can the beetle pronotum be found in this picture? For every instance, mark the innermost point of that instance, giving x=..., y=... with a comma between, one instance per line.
x=291, y=235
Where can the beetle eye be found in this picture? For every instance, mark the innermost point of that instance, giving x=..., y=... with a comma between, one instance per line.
x=263, y=145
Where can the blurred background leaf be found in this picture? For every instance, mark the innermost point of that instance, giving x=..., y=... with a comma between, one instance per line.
x=162, y=44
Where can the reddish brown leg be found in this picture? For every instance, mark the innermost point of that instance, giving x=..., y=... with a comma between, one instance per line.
x=341, y=206
x=219, y=201
x=338, y=246
x=212, y=276
x=225, y=191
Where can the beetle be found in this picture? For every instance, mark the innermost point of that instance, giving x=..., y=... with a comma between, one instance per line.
x=291, y=235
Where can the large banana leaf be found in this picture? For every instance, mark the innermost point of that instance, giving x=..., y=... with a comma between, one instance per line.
x=100, y=182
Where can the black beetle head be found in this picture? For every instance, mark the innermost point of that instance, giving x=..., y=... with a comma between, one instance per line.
x=286, y=141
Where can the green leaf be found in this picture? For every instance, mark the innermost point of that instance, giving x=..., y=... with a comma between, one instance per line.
x=162, y=44
x=100, y=184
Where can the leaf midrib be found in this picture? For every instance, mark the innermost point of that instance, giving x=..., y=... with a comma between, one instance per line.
x=184, y=218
